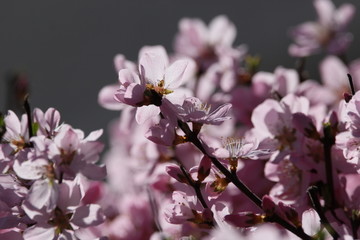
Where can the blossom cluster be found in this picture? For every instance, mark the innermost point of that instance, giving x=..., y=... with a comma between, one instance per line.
x=216, y=148
x=207, y=146
x=47, y=170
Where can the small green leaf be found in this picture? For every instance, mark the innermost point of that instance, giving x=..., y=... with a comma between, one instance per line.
x=252, y=64
x=35, y=128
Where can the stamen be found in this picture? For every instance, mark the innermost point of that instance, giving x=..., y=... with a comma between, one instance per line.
x=233, y=146
x=159, y=88
x=205, y=107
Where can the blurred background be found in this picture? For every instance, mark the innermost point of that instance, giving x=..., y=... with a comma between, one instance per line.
x=65, y=49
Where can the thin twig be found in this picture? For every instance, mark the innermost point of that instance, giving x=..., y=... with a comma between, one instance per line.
x=300, y=67
x=195, y=185
x=328, y=142
x=351, y=84
x=313, y=194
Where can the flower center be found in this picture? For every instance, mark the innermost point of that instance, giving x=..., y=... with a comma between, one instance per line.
x=67, y=156
x=60, y=221
x=159, y=88
x=220, y=184
x=286, y=138
x=19, y=144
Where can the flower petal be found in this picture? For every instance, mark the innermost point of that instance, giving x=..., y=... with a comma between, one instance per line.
x=178, y=73
x=106, y=98
x=222, y=31
x=39, y=232
x=152, y=64
x=88, y=215
x=145, y=113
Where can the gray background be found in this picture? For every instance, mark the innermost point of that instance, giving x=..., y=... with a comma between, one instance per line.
x=66, y=48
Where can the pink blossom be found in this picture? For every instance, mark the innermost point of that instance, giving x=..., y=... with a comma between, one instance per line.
x=73, y=153
x=156, y=79
x=273, y=119
x=106, y=94
x=16, y=135
x=197, y=41
x=283, y=81
x=349, y=140
x=291, y=182
x=48, y=122
x=328, y=32
x=185, y=208
x=334, y=76
x=66, y=218
x=193, y=110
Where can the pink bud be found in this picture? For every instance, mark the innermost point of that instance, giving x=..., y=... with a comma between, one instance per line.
x=347, y=97
x=204, y=168
x=290, y=213
x=268, y=205
x=174, y=171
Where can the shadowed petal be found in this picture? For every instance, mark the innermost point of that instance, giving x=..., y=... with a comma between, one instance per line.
x=39, y=232
x=88, y=215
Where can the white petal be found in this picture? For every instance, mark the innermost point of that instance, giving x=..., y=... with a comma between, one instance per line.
x=106, y=98
x=30, y=170
x=311, y=222
x=152, y=65
x=145, y=113
x=178, y=73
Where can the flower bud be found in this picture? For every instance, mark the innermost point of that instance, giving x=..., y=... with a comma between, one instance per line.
x=204, y=168
x=290, y=213
x=175, y=172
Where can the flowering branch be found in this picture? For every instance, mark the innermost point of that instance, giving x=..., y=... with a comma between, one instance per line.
x=238, y=183
x=194, y=140
x=194, y=184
